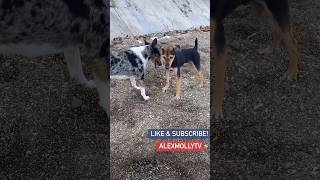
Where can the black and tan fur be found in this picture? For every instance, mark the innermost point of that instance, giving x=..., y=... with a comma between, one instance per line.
x=276, y=12
x=174, y=58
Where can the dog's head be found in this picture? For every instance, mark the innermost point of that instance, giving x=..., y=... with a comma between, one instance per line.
x=154, y=52
x=168, y=54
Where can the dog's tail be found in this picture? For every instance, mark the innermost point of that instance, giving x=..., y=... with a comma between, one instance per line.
x=196, y=44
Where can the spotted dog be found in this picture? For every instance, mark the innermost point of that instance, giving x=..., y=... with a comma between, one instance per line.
x=35, y=28
x=132, y=64
x=174, y=58
x=276, y=12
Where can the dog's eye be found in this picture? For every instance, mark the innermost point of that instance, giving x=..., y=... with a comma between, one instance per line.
x=171, y=57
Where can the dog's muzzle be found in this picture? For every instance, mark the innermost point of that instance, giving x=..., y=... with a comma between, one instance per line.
x=157, y=63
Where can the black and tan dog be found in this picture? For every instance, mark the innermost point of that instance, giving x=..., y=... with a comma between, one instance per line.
x=174, y=58
x=276, y=12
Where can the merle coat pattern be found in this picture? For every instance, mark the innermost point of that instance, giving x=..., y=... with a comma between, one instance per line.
x=132, y=63
x=40, y=27
x=60, y=23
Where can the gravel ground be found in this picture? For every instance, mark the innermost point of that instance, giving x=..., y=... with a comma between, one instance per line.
x=50, y=127
x=133, y=155
x=271, y=128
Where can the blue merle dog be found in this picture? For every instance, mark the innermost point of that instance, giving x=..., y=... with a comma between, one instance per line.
x=74, y=27
x=132, y=64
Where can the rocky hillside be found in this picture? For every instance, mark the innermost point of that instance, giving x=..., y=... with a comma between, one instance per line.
x=135, y=17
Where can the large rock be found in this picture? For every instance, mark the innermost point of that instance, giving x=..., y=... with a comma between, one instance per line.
x=134, y=17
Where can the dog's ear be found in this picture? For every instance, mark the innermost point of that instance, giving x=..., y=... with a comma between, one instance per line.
x=154, y=43
x=176, y=47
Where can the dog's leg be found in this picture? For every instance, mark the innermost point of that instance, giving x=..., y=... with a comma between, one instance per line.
x=218, y=87
x=280, y=11
x=291, y=45
x=199, y=77
x=178, y=84
x=102, y=83
x=72, y=58
x=219, y=67
x=133, y=82
x=167, y=85
x=141, y=87
x=143, y=90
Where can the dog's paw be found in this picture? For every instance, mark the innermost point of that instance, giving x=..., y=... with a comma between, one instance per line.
x=177, y=97
x=265, y=51
x=290, y=76
x=200, y=85
x=218, y=115
x=146, y=98
x=164, y=89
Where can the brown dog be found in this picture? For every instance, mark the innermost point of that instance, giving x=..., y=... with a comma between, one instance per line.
x=174, y=57
x=274, y=11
